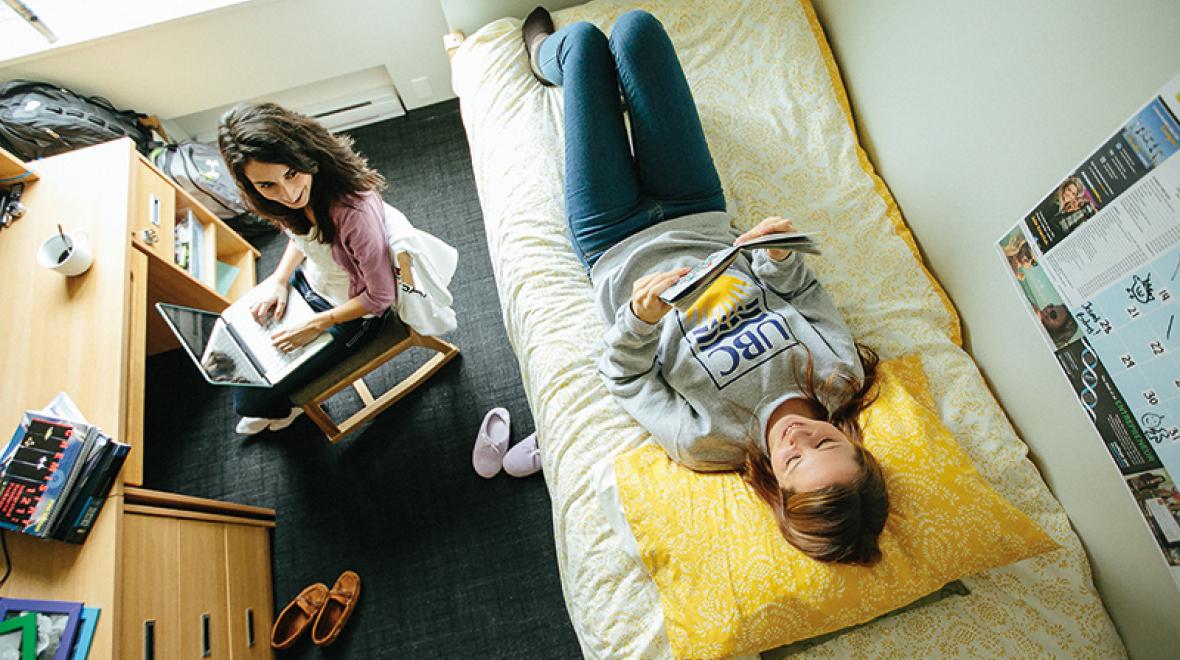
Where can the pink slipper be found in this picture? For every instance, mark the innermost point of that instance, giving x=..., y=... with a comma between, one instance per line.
x=490, y=443
x=524, y=458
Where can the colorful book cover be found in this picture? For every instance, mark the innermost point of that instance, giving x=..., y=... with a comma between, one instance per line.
x=35, y=472
x=18, y=637
x=85, y=636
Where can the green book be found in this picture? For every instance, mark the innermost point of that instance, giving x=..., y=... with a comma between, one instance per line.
x=226, y=274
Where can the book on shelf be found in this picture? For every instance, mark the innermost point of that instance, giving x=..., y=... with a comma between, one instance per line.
x=53, y=468
x=226, y=274
x=685, y=291
x=189, y=247
x=232, y=348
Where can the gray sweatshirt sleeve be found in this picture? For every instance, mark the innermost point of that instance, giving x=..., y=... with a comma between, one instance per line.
x=629, y=368
x=787, y=277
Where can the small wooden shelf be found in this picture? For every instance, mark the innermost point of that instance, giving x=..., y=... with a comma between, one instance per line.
x=168, y=281
x=14, y=170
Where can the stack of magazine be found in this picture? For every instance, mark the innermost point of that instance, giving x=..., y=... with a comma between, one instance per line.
x=56, y=472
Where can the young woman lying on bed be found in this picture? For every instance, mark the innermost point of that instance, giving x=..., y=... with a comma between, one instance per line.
x=760, y=374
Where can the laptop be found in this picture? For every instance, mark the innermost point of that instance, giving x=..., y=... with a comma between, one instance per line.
x=232, y=348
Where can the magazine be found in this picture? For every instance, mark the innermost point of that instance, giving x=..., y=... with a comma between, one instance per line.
x=695, y=281
x=53, y=465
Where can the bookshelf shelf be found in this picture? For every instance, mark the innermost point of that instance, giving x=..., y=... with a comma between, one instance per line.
x=217, y=260
x=14, y=170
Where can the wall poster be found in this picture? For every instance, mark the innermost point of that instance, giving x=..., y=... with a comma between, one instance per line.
x=1098, y=262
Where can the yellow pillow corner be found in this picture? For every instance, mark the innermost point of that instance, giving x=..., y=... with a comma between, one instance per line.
x=730, y=584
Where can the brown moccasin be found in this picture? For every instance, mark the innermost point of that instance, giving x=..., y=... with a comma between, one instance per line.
x=298, y=615
x=336, y=610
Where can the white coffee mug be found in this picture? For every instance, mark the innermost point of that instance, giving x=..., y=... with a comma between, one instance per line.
x=69, y=254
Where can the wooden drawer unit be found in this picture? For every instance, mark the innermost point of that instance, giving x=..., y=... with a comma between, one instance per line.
x=153, y=209
x=196, y=578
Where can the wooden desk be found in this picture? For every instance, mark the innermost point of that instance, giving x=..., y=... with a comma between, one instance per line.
x=88, y=336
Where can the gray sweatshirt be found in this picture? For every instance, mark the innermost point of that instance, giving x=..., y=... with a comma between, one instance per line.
x=704, y=381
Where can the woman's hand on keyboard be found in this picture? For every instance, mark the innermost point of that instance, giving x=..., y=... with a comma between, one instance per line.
x=292, y=338
x=272, y=301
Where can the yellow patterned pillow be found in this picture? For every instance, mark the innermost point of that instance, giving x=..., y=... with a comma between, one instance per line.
x=730, y=584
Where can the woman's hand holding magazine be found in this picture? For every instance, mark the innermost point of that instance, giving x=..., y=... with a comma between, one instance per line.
x=771, y=225
x=766, y=236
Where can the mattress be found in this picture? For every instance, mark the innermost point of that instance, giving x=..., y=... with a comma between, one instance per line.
x=779, y=126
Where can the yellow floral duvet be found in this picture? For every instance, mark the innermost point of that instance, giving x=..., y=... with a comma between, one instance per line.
x=778, y=123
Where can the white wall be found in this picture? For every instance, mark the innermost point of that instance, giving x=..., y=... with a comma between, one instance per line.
x=972, y=112
x=467, y=16
x=253, y=49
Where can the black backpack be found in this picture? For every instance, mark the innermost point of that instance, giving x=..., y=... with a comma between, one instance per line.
x=199, y=169
x=39, y=119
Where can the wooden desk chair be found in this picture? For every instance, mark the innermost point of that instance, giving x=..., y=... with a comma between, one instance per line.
x=395, y=338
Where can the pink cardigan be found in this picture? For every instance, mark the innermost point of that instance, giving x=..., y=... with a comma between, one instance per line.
x=362, y=250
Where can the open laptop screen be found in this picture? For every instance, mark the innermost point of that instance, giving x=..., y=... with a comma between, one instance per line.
x=208, y=342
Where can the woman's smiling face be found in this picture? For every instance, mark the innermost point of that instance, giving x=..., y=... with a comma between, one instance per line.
x=807, y=454
x=280, y=183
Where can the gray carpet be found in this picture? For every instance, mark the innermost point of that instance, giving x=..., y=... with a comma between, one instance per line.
x=452, y=565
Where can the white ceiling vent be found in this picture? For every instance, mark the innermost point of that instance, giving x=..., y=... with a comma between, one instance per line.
x=340, y=103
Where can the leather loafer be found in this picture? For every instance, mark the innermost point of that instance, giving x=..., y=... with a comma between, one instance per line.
x=337, y=608
x=298, y=615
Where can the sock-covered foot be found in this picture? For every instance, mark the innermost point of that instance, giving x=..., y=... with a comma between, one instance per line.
x=252, y=425
x=280, y=424
x=537, y=25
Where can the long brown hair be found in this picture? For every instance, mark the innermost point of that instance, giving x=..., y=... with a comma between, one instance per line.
x=269, y=133
x=839, y=523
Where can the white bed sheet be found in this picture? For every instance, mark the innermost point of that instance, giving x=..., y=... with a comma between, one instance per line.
x=778, y=125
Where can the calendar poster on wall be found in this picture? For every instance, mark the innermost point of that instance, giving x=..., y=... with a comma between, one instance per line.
x=1098, y=263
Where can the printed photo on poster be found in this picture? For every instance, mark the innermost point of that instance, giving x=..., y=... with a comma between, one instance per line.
x=1058, y=324
x=1148, y=139
x=1159, y=499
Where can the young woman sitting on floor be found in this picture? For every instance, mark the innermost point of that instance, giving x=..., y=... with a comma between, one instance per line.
x=313, y=186
x=760, y=374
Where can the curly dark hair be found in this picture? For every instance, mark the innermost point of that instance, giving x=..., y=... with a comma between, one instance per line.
x=269, y=133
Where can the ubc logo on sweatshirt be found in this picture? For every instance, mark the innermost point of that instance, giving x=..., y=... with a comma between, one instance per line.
x=731, y=329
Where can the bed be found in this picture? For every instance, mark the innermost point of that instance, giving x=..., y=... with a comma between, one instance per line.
x=780, y=129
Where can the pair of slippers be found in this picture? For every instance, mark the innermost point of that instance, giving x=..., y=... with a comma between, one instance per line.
x=491, y=451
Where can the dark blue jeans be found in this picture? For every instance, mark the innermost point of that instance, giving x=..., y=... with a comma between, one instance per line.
x=609, y=193
x=347, y=338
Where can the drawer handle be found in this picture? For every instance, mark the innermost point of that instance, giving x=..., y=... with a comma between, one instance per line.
x=150, y=236
x=249, y=626
x=154, y=209
x=206, y=651
x=149, y=640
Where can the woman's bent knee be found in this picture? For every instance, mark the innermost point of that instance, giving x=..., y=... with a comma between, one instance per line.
x=636, y=25
x=584, y=33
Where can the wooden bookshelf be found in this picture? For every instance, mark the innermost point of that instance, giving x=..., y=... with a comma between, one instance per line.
x=160, y=204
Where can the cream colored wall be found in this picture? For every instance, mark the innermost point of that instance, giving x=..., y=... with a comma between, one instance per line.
x=252, y=49
x=972, y=112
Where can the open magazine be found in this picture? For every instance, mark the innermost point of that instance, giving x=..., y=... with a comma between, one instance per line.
x=695, y=281
x=232, y=348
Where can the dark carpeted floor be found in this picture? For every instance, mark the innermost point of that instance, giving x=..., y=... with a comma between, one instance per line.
x=452, y=565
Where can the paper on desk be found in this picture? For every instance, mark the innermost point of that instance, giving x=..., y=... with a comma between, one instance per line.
x=61, y=407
